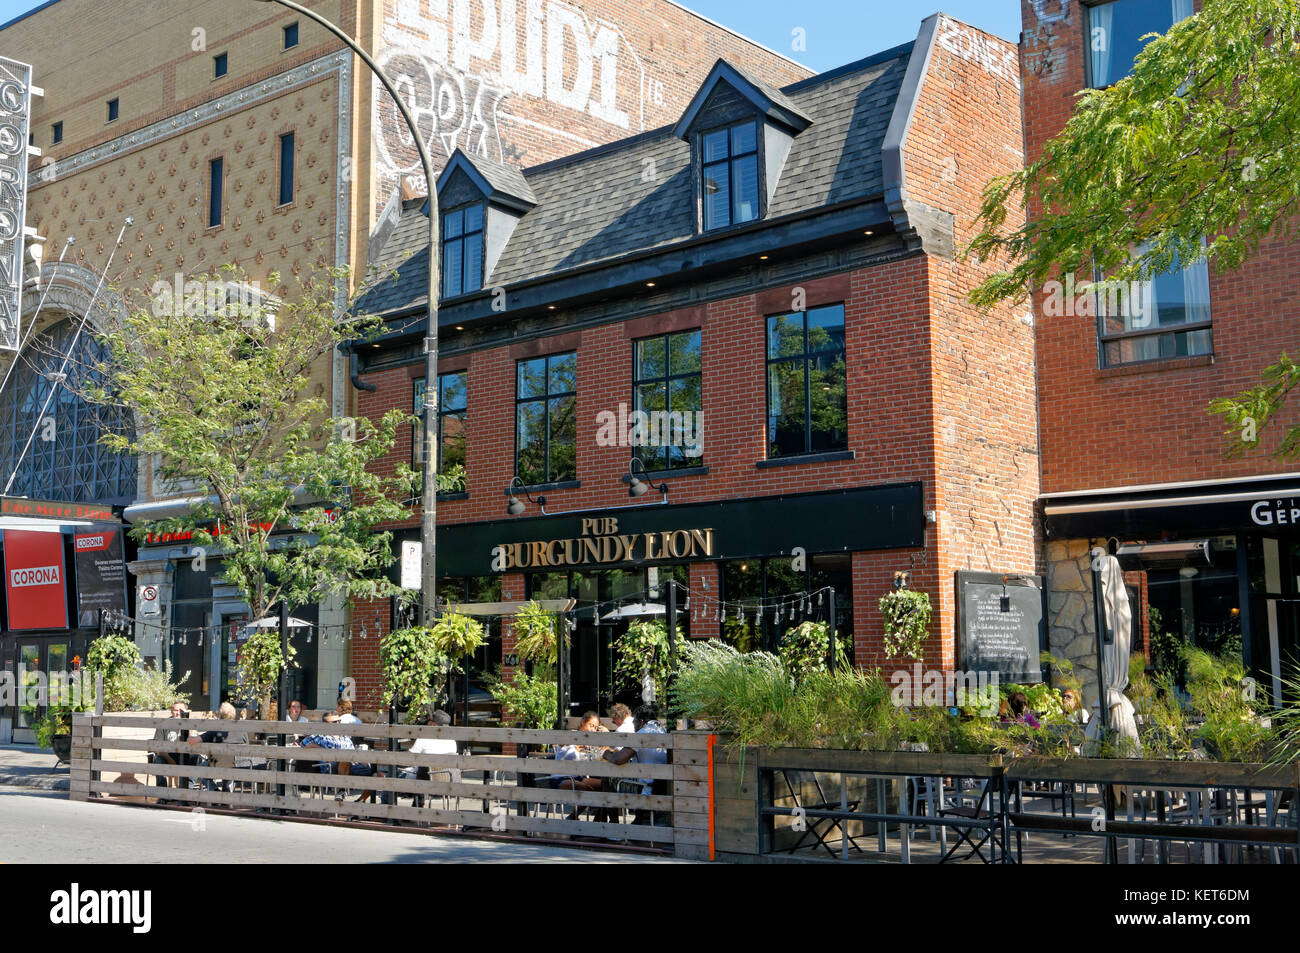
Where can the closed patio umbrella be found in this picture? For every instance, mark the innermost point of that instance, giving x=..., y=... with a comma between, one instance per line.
x=1118, y=619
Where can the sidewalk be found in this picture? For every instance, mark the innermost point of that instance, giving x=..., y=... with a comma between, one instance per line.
x=27, y=766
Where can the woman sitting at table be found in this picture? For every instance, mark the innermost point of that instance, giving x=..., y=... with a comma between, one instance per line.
x=590, y=722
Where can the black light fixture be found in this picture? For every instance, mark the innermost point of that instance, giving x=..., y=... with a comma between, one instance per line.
x=516, y=506
x=637, y=486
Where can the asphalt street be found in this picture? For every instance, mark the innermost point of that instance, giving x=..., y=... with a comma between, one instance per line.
x=39, y=827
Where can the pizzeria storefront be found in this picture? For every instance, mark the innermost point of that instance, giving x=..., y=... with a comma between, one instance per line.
x=64, y=566
x=1214, y=564
x=742, y=570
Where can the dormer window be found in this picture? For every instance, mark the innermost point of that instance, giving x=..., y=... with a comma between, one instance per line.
x=730, y=176
x=462, y=250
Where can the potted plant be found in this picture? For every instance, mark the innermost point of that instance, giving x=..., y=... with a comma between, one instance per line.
x=260, y=663
x=410, y=659
x=534, y=630
x=805, y=647
x=644, y=657
x=906, y=615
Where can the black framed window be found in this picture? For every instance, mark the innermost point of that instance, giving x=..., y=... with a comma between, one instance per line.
x=56, y=133
x=286, y=168
x=807, y=384
x=112, y=110
x=729, y=158
x=1164, y=317
x=667, y=389
x=219, y=65
x=462, y=250
x=291, y=36
x=453, y=405
x=216, y=184
x=546, y=419
x=1115, y=32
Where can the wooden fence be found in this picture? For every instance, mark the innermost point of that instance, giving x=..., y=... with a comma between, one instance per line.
x=508, y=794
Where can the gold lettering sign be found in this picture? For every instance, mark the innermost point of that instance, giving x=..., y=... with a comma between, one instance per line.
x=601, y=543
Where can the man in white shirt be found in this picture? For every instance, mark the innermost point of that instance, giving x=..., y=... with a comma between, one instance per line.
x=438, y=719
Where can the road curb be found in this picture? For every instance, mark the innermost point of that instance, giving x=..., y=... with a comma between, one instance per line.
x=41, y=782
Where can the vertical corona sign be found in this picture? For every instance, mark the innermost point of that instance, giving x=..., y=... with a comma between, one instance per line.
x=15, y=113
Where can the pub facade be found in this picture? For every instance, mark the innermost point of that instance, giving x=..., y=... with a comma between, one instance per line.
x=726, y=363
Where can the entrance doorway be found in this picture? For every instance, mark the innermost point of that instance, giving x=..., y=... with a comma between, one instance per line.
x=47, y=654
x=599, y=593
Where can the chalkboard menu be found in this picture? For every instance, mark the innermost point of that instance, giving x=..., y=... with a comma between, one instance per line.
x=993, y=636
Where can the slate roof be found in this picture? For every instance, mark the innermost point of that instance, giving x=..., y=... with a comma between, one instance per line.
x=598, y=206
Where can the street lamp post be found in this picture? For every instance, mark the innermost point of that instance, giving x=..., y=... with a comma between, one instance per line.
x=428, y=524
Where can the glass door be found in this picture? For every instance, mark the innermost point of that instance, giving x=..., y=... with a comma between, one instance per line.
x=29, y=663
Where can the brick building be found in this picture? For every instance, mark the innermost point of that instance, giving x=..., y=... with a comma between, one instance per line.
x=233, y=131
x=776, y=265
x=1131, y=458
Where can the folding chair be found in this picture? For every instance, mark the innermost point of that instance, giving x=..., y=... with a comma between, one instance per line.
x=819, y=827
x=980, y=812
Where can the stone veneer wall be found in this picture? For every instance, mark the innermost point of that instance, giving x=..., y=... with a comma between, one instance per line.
x=1071, y=630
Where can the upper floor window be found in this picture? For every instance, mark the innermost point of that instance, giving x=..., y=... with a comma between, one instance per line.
x=56, y=133
x=1167, y=316
x=453, y=390
x=667, y=391
x=1115, y=32
x=291, y=36
x=729, y=165
x=220, y=65
x=807, y=388
x=216, y=186
x=112, y=110
x=546, y=419
x=462, y=251
x=286, y=168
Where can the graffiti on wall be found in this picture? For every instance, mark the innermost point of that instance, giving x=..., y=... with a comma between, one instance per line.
x=472, y=71
x=997, y=59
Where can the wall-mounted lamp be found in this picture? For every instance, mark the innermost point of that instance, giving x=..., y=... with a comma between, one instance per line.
x=637, y=486
x=516, y=506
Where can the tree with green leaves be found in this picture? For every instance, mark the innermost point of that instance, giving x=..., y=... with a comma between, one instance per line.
x=218, y=380
x=1191, y=157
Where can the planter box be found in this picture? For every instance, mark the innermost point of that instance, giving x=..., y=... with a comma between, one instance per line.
x=740, y=832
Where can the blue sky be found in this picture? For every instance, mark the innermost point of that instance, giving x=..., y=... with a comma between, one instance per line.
x=836, y=31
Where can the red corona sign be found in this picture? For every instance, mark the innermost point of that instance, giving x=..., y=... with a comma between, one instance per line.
x=35, y=580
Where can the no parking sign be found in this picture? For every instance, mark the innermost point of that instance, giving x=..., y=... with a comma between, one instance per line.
x=148, y=601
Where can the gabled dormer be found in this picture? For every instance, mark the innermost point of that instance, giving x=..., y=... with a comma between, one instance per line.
x=480, y=202
x=740, y=131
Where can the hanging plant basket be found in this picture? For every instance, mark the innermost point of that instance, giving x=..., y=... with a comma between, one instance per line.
x=906, y=614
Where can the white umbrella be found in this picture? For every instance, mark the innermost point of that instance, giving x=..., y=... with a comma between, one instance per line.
x=273, y=622
x=1115, y=657
x=635, y=609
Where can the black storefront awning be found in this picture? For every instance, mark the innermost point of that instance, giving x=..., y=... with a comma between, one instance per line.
x=1268, y=504
x=881, y=517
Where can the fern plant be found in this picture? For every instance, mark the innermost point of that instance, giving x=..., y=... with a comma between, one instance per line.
x=534, y=630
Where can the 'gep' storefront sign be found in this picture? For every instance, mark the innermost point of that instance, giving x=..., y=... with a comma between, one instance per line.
x=35, y=580
x=15, y=113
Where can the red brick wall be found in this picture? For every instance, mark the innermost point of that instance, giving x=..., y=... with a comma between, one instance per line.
x=966, y=130
x=1148, y=423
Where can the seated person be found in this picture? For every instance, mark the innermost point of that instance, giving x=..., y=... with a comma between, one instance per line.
x=621, y=715
x=1020, y=710
x=646, y=719
x=172, y=735
x=439, y=719
x=590, y=722
x=226, y=712
x=1072, y=704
